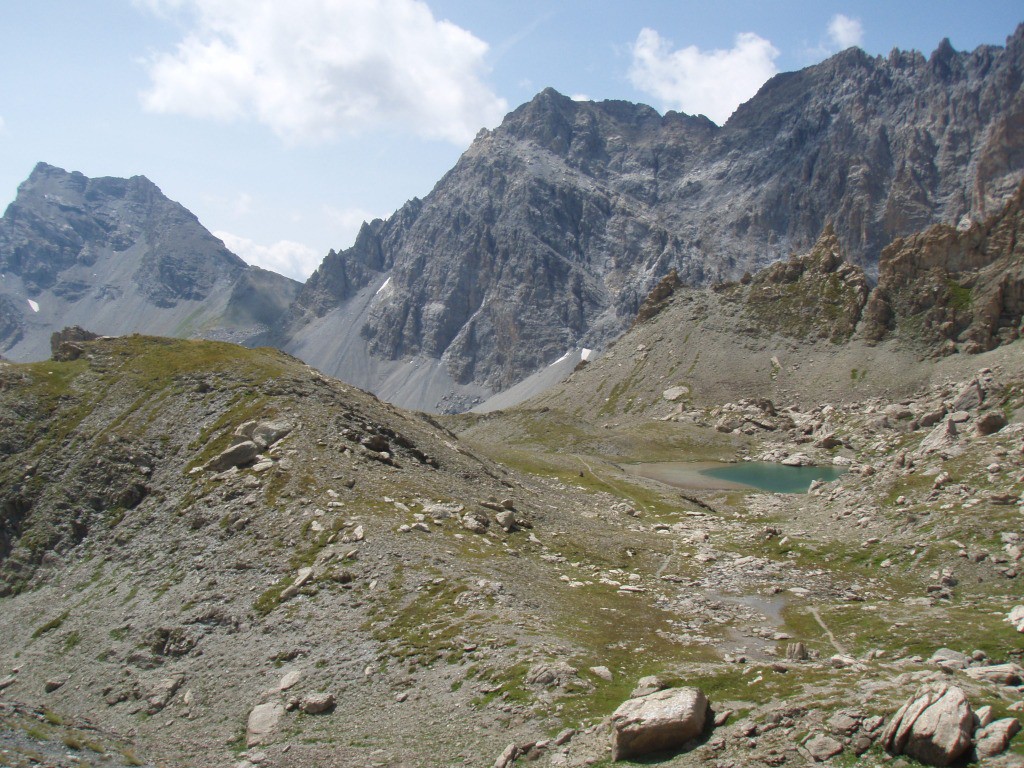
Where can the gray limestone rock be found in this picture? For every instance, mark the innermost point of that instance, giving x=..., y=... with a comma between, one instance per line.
x=237, y=455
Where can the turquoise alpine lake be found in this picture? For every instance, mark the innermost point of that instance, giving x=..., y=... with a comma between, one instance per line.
x=763, y=476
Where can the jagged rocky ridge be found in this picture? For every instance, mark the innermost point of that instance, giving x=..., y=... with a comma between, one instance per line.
x=551, y=229
x=117, y=256
x=811, y=328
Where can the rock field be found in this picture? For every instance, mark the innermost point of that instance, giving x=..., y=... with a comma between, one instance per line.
x=247, y=563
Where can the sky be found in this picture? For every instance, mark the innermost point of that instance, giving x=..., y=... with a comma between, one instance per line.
x=284, y=124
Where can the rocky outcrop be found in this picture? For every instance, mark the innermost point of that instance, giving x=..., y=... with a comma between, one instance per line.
x=64, y=344
x=934, y=726
x=658, y=298
x=954, y=288
x=818, y=295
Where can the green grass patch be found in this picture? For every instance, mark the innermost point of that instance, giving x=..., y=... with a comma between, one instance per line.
x=49, y=626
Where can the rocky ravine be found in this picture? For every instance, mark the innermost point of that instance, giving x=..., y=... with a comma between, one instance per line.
x=244, y=562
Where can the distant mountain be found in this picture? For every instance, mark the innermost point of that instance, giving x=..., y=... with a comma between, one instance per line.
x=116, y=256
x=550, y=230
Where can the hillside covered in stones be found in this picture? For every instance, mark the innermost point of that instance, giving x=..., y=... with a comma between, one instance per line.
x=214, y=555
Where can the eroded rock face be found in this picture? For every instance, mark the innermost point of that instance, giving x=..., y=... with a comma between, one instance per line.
x=961, y=287
x=659, y=721
x=933, y=726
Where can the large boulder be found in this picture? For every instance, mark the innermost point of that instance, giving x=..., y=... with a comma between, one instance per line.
x=999, y=674
x=236, y=456
x=934, y=726
x=657, y=722
x=266, y=433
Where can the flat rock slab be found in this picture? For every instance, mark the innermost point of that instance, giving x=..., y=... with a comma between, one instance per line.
x=236, y=456
x=659, y=721
x=262, y=723
x=823, y=748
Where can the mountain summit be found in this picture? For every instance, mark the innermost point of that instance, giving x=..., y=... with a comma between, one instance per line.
x=117, y=256
x=550, y=230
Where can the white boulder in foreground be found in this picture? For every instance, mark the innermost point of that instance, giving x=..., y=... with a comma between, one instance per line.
x=657, y=722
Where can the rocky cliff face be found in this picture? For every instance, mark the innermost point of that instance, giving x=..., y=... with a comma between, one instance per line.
x=955, y=289
x=551, y=229
x=115, y=255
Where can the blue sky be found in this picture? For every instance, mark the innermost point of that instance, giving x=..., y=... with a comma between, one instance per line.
x=282, y=125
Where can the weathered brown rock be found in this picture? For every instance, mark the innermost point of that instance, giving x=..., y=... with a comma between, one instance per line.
x=65, y=344
x=995, y=737
x=933, y=726
x=989, y=423
x=657, y=722
x=315, y=703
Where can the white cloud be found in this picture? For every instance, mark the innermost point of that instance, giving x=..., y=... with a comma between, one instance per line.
x=845, y=32
x=712, y=83
x=311, y=69
x=580, y=97
x=2, y=124
x=285, y=257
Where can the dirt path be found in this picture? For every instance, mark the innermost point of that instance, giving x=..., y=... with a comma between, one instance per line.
x=832, y=638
